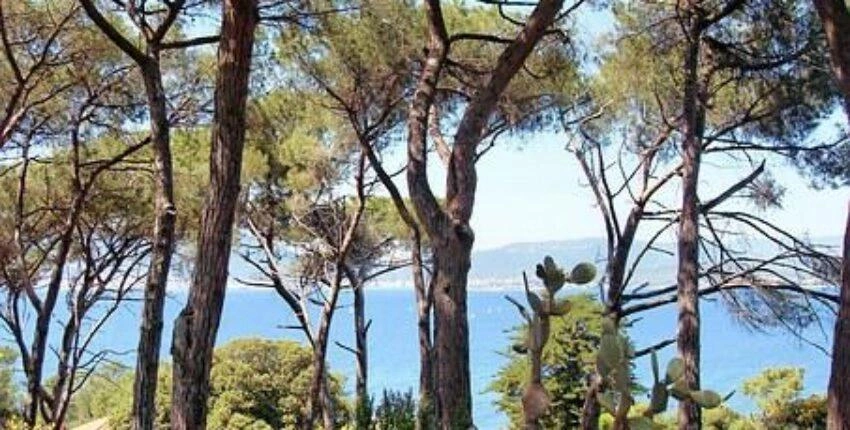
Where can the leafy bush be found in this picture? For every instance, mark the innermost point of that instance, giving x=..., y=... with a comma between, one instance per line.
x=397, y=411
x=8, y=390
x=255, y=384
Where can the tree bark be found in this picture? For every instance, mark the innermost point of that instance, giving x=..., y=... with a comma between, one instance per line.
x=196, y=327
x=688, y=340
x=427, y=411
x=452, y=260
x=361, y=346
x=448, y=228
x=150, y=336
x=835, y=16
x=838, y=395
x=165, y=212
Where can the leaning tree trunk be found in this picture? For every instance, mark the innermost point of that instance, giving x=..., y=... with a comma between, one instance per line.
x=688, y=241
x=196, y=327
x=838, y=397
x=150, y=336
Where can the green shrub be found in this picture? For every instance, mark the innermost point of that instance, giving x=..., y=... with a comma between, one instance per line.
x=397, y=411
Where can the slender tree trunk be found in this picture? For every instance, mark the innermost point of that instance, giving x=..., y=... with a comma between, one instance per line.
x=361, y=347
x=426, y=415
x=688, y=242
x=35, y=366
x=197, y=325
x=150, y=336
x=838, y=396
x=427, y=411
x=451, y=331
x=591, y=409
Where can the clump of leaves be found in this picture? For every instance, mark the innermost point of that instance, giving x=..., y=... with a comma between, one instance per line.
x=397, y=411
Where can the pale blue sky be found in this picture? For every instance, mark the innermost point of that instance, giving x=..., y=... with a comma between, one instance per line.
x=534, y=191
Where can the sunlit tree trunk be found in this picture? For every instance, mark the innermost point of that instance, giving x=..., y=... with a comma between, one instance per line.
x=688, y=339
x=197, y=325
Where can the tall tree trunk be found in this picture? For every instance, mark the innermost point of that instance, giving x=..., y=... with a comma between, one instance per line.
x=165, y=211
x=150, y=336
x=838, y=395
x=196, y=327
x=361, y=347
x=448, y=225
x=316, y=404
x=427, y=411
x=591, y=410
x=451, y=331
x=35, y=366
x=835, y=16
x=688, y=242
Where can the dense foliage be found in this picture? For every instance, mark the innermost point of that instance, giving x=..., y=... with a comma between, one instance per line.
x=256, y=384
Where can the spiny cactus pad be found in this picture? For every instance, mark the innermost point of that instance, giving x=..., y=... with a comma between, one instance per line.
x=583, y=273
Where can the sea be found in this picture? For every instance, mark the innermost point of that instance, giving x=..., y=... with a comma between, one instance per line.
x=731, y=352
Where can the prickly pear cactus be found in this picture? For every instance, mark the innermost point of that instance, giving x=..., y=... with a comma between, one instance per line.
x=535, y=401
x=613, y=364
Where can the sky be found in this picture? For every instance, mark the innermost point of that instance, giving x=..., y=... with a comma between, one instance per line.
x=533, y=191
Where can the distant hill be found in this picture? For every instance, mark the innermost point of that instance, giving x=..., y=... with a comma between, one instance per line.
x=502, y=267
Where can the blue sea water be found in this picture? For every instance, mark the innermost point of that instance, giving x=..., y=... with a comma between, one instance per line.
x=730, y=352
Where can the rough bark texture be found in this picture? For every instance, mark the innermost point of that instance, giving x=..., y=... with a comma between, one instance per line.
x=45, y=313
x=451, y=332
x=448, y=228
x=838, y=395
x=835, y=16
x=688, y=341
x=150, y=336
x=361, y=347
x=165, y=211
x=426, y=414
x=196, y=327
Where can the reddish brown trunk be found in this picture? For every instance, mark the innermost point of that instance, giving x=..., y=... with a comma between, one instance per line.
x=150, y=333
x=838, y=396
x=448, y=227
x=451, y=331
x=196, y=327
x=835, y=16
x=688, y=242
